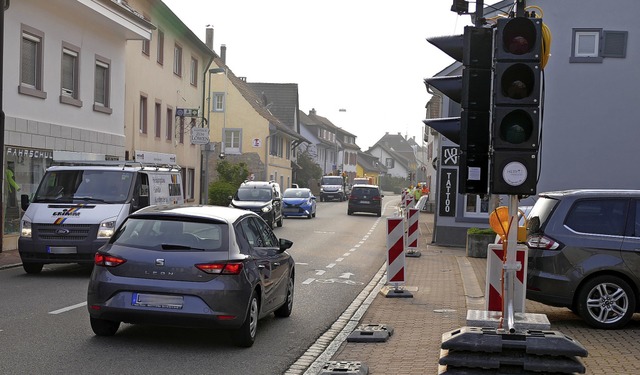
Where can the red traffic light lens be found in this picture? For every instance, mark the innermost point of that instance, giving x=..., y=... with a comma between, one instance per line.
x=519, y=36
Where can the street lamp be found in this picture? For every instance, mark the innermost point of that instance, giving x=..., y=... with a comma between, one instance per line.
x=207, y=147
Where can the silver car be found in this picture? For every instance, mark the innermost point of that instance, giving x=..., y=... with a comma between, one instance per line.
x=191, y=266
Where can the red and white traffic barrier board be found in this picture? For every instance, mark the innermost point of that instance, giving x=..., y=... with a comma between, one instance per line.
x=395, y=250
x=412, y=231
x=493, y=291
x=408, y=200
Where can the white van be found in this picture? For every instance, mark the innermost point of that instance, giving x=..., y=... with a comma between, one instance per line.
x=76, y=209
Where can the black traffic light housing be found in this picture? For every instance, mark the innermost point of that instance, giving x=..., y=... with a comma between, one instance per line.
x=515, y=125
x=472, y=89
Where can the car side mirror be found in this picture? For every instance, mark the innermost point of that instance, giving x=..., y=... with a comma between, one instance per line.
x=24, y=201
x=285, y=244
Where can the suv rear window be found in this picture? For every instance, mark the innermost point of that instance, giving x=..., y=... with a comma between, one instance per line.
x=601, y=216
x=539, y=214
x=365, y=192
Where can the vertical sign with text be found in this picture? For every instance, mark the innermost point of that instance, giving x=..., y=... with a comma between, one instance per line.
x=448, y=191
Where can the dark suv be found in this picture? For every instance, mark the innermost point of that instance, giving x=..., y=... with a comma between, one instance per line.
x=584, y=253
x=365, y=198
x=261, y=197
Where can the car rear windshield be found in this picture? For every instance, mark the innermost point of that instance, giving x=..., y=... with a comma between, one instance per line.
x=365, y=192
x=165, y=234
x=254, y=194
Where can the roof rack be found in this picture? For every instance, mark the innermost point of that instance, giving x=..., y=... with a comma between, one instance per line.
x=118, y=163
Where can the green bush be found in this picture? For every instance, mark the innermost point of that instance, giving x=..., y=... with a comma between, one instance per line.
x=220, y=191
x=481, y=231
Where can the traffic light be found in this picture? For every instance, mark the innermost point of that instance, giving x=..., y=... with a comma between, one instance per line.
x=472, y=90
x=516, y=106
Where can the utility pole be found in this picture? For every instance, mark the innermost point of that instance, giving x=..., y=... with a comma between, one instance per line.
x=5, y=6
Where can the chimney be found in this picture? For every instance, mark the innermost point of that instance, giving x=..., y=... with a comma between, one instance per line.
x=223, y=53
x=209, y=37
x=312, y=112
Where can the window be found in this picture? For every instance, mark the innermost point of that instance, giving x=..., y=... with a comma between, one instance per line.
x=233, y=141
x=193, y=78
x=158, y=119
x=146, y=46
x=160, y=51
x=218, y=102
x=593, y=45
x=143, y=114
x=276, y=145
x=601, y=216
x=31, y=63
x=69, y=86
x=177, y=60
x=169, y=123
x=181, y=130
x=476, y=205
x=102, y=85
x=389, y=163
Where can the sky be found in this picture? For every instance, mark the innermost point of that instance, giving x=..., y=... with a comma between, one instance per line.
x=367, y=57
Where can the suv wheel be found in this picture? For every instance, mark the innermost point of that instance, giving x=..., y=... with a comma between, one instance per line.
x=32, y=267
x=279, y=222
x=606, y=302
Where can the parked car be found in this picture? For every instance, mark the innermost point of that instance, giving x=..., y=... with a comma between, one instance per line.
x=584, y=253
x=261, y=197
x=365, y=198
x=298, y=202
x=191, y=266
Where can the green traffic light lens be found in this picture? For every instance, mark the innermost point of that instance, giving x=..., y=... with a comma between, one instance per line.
x=517, y=81
x=516, y=127
x=519, y=36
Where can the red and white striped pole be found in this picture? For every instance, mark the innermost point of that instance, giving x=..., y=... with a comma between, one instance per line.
x=412, y=232
x=395, y=250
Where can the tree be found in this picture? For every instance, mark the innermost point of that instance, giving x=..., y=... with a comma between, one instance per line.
x=230, y=177
x=309, y=169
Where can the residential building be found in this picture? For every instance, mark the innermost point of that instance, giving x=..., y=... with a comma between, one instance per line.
x=322, y=134
x=396, y=154
x=64, y=89
x=348, y=154
x=370, y=166
x=165, y=76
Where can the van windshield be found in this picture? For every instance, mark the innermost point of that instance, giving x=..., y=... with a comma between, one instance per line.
x=91, y=186
x=332, y=180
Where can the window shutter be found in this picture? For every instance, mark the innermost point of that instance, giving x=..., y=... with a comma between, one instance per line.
x=614, y=43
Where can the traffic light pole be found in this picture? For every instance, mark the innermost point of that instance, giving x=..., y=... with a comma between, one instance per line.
x=511, y=266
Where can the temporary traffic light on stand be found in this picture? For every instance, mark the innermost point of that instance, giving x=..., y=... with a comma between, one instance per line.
x=516, y=106
x=472, y=90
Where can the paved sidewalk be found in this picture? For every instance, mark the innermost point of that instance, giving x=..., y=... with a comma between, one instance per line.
x=442, y=292
x=9, y=258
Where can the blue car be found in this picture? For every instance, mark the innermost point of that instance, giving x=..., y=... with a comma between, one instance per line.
x=298, y=202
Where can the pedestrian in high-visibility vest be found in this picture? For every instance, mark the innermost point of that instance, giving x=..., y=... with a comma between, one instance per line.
x=417, y=192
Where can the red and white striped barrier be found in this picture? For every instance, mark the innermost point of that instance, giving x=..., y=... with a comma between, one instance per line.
x=408, y=200
x=395, y=250
x=412, y=231
x=493, y=291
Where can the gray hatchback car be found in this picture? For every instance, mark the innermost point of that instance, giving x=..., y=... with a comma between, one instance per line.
x=584, y=254
x=191, y=266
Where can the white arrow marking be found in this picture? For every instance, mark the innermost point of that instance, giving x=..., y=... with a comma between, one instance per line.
x=347, y=275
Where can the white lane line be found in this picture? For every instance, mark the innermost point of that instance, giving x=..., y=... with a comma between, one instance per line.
x=353, y=249
x=308, y=281
x=339, y=259
x=346, y=254
x=358, y=245
x=68, y=308
x=331, y=265
x=320, y=272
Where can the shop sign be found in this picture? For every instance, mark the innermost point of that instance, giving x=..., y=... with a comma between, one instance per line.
x=29, y=153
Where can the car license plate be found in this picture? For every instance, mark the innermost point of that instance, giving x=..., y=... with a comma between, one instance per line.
x=364, y=202
x=157, y=300
x=62, y=250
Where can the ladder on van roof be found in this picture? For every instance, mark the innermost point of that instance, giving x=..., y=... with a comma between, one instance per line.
x=120, y=163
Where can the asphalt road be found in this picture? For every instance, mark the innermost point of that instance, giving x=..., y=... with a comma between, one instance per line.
x=44, y=325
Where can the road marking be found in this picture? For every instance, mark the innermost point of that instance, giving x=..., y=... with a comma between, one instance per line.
x=352, y=249
x=347, y=275
x=68, y=308
x=320, y=272
x=346, y=254
x=308, y=281
x=302, y=264
x=339, y=259
x=331, y=265
x=358, y=245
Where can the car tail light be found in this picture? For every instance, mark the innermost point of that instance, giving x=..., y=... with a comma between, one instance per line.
x=376, y=198
x=233, y=268
x=105, y=260
x=539, y=241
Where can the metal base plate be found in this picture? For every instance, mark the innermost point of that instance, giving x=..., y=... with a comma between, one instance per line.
x=522, y=321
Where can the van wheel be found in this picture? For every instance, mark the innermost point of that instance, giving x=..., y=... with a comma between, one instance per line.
x=606, y=302
x=32, y=267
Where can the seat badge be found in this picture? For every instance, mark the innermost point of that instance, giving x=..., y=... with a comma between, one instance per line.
x=160, y=262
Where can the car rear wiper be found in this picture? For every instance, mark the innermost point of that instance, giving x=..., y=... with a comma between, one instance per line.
x=168, y=246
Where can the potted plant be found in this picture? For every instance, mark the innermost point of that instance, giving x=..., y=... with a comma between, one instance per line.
x=477, y=241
